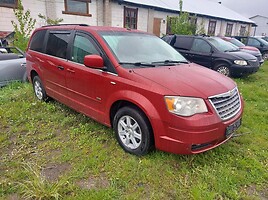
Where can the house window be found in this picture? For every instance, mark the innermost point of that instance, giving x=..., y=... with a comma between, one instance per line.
x=243, y=31
x=77, y=7
x=229, y=29
x=9, y=3
x=130, y=18
x=212, y=27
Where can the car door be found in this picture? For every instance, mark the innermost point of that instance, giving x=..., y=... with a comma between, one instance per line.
x=201, y=53
x=87, y=87
x=54, y=64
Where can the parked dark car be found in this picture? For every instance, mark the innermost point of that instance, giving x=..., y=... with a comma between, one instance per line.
x=257, y=42
x=12, y=65
x=214, y=53
x=263, y=37
x=137, y=84
x=248, y=49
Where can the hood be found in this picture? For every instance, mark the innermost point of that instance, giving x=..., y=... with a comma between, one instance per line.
x=241, y=55
x=250, y=48
x=254, y=53
x=188, y=80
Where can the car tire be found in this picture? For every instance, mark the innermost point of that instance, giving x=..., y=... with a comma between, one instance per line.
x=133, y=131
x=223, y=68
x=39, y=89
x=265, y=56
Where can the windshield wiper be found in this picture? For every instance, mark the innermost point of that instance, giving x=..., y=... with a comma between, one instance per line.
x=171, y=62
x=139, y=64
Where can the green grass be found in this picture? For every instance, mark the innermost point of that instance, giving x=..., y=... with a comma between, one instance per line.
x=78, y=158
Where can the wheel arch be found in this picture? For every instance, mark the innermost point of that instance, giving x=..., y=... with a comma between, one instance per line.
x=33, y=73
x=125, y=103
x=221, y=61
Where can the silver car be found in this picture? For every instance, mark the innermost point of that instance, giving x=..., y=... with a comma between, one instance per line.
x=12, y=65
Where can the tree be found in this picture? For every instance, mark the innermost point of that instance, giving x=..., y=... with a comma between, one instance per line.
x=50, y=21
x=183, y=24
x=201, y=29
x=24, y=28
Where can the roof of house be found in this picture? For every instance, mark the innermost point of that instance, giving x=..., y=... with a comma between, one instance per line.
x=199, y=7
x=258, y=16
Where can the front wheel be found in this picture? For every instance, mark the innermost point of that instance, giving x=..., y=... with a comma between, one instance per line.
x=133, y=131
x=223, y=69
x=265, y=56
x=39, y=89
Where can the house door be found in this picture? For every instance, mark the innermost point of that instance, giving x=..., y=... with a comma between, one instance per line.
x=157, y=25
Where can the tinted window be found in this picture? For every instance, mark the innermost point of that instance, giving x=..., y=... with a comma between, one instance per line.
x=57, y=44
x=37, y=41
x=253, y=42
x=200, y=45
x=183, y=42
x=82, y=47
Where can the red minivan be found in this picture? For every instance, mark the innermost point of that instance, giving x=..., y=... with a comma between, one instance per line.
x=137, y=84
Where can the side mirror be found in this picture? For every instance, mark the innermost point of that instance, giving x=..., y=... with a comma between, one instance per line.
x=94, y=61
x=261, y=45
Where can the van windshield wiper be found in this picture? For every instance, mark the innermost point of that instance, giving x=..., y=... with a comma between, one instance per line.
x=168, y=62
x=139, y=64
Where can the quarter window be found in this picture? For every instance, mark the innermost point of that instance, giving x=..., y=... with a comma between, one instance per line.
x=77, y=7
x=9, y=3
x=130, y=18
x=200, y=45
x=212, y=27
x=57, y=44
x=82, y=47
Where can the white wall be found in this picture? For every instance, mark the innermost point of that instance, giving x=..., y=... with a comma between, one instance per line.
x=262, y=28
x=52, y=9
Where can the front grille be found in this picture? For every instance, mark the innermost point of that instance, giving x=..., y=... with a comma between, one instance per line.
x=227, y=105
x=254, y=63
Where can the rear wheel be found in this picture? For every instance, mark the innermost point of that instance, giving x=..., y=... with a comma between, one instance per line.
x=133, y=131
x=39, y=89
x=223, y=68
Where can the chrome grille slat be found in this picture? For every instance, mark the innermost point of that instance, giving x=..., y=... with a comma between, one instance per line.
x=227, y=105
x=230, y=102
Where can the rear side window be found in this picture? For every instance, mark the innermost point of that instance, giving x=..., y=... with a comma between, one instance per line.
x=57, y=44
x=183, y=43
x=200, y=45
x=37, y=41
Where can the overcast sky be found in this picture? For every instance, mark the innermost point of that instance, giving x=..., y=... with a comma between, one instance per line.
x=247, y=8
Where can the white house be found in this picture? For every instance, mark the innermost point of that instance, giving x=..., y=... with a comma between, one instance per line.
x=262, y=25
x=145, y=15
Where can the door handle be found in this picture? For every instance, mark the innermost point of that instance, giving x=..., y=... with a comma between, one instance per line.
x=60, y=67
x=70, y=70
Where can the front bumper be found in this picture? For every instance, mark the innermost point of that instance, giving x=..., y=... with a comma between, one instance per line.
x=238, y=70
x=198, y=133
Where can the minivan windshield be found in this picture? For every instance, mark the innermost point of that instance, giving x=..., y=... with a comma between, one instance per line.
x=141, y=50
x=222, y=45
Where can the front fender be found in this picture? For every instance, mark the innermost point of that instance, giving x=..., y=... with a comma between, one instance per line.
x=143, y=103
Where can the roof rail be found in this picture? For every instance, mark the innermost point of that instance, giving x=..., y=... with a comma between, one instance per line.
x=66, y=25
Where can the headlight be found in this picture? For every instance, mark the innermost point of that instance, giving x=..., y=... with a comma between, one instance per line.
x=185, y=106
x=241, y=62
